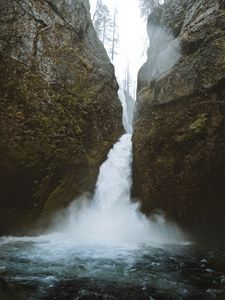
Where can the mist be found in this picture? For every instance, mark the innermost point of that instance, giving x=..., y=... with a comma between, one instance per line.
x=133, y=39
x=110, y=216
x=61, y=115
x=165, y=50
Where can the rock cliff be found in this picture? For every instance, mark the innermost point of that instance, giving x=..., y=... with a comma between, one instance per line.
x=179, y=136
x=59, y=108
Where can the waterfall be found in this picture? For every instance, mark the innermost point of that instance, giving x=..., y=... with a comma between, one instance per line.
x=114, y=180
x=126, y=124
x=111, y=216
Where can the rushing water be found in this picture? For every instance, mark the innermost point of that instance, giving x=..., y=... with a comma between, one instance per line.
x=111, y=217
x=104, y=248
x=52, y=267
x=125, y=118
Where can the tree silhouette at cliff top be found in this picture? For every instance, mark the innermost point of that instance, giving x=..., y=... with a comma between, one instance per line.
x=106, y=27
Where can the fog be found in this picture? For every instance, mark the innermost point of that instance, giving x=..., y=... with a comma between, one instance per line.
x=110, y=216
x=133, y=39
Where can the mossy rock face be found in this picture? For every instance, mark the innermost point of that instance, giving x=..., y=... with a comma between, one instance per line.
x=179, y=135
x=59, y=110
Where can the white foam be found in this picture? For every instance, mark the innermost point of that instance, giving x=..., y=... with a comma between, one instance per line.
x=111, y=217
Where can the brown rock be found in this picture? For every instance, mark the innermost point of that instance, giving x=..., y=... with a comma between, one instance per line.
x=179, y=136
x=59, y=109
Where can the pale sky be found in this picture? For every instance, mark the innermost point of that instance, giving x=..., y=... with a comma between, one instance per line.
x=133, y=37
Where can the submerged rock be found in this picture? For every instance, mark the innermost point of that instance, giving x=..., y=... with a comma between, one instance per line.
x=59, y=110
x=179, y=134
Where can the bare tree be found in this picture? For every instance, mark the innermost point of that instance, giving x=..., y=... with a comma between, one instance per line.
x=115, y=38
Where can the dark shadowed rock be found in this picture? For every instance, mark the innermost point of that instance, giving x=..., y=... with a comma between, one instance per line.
x=5, y=291
x=59, y=109
x=9, y=293
x=179, y=136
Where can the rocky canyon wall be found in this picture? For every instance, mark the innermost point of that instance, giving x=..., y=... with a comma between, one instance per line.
x=179, y=132
x=59, y=110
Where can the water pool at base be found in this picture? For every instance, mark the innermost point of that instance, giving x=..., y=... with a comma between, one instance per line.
x=50, y=267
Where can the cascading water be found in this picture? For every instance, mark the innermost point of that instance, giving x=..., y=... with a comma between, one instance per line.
x=106, y=249
x=111, y=217
x=125, y=119
x=114, y=181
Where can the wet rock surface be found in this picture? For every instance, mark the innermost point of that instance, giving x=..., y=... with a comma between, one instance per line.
x=59, y=111
x=179, y=144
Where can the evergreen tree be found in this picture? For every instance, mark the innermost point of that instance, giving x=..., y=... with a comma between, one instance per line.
x=102, y=22
x=106, y=28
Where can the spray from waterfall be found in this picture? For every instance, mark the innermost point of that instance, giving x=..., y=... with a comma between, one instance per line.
x=110, y=216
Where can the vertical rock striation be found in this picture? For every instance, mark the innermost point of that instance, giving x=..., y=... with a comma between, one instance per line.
x=179, y=136
x=59, y=108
